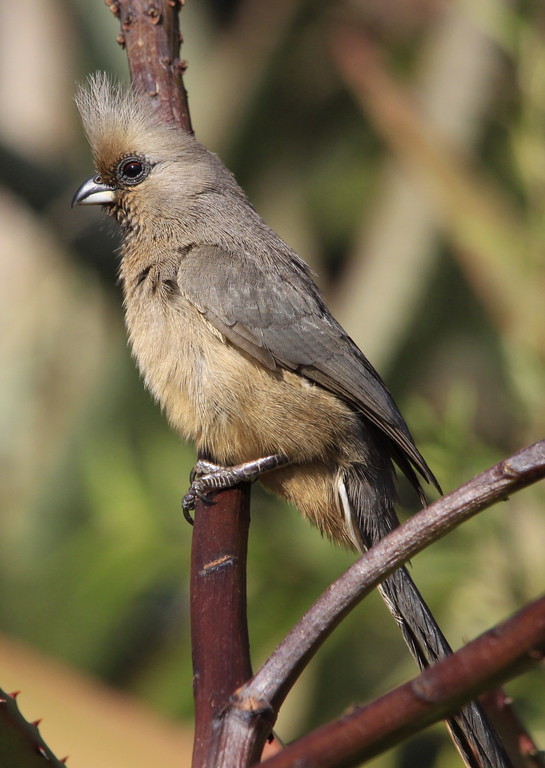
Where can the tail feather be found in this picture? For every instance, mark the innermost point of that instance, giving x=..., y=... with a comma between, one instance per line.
x=371, y=507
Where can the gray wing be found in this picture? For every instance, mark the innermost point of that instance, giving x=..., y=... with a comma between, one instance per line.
x=272, y=309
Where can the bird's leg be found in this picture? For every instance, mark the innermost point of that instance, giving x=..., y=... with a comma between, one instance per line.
x=207, y=477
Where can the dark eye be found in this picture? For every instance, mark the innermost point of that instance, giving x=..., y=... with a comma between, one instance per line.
x=132, y=170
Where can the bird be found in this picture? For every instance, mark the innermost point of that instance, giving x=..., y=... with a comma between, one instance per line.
x=234, y=340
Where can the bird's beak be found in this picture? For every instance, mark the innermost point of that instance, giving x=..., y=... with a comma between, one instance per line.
x=94, y=192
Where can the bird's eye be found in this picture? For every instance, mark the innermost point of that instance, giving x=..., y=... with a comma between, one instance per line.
x=132, y=170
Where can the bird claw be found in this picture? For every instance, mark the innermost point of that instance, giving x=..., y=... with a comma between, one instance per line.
x=196, y=491
x=187, y=506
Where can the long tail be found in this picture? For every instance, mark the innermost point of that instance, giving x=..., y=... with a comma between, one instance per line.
x=371, y=508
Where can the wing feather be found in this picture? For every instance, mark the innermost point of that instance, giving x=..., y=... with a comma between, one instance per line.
x=272, y=309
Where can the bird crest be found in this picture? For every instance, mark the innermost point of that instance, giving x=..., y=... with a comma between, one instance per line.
x=119, y=122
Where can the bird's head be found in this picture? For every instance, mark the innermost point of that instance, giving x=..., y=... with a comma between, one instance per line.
x=145, y=169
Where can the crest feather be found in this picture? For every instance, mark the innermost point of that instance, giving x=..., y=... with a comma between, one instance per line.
x=120, y=122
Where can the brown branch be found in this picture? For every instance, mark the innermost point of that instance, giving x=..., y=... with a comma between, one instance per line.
x=276, y=676
x=150, y=33
x=503, y=652
x=263, y=695
x=219, y=632
x=518, y=742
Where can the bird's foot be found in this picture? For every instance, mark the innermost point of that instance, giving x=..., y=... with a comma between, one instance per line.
x=203, y=467
x=207, y=477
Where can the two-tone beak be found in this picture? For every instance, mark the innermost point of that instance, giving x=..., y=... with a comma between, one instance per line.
x=94, y=192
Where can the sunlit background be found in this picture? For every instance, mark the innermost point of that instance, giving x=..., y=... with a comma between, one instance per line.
x=400, y=147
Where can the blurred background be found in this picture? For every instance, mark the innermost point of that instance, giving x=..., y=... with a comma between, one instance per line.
x=400, y=147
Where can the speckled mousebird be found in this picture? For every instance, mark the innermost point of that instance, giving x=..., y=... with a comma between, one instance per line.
x=234, y=340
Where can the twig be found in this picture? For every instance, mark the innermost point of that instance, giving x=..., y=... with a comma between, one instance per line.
x=219, y=630
x=501, y=653
x=150, y=33
x=517, y=740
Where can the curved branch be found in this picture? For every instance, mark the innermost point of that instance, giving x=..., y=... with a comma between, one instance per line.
x=508, y=649
x=276, y=676
x=255, y=705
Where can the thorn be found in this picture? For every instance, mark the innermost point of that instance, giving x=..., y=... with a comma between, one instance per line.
x=64, y=759
x=14, y=694
x=43, y=753
x=37, y=722
x=154, y=15
x=127, y=22
x=113, y=5
x=181, y=66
